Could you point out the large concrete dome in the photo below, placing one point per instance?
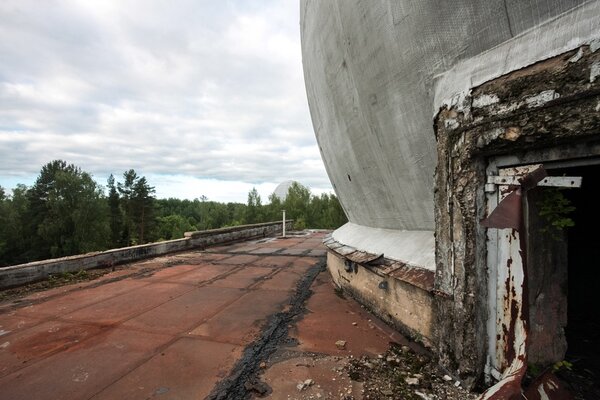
(281, 190)
(376, 73)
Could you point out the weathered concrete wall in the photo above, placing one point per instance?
(547, 111)
(376, 72)
(403, 305)
(39, 270)
(370, 70)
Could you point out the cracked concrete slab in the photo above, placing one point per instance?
(180, 326)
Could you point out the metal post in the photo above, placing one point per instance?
(283, 223)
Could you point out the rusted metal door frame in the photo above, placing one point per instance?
(503, 247)
(507, 331)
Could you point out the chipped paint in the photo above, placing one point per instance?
(451, 123)
(485, 100)
(547, 387)
(577, 56)
(541, 98)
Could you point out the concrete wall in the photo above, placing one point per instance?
(39, 270)
(401, 304)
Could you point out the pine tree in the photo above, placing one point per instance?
(116, 215)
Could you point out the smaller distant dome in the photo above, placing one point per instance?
(281, 190)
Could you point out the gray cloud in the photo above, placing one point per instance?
(211, 90)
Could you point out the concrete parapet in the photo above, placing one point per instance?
(22, 274)
(404, 305)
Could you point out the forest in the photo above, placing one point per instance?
(66, 212)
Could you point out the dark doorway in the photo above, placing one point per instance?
(583, 315)
(563, 266)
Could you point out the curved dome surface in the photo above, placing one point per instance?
(373, 76)
(281, 190)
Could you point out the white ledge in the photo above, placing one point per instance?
(416, 248)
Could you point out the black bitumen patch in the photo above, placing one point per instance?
(243, 377)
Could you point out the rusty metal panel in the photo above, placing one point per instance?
(388, 266)
(361, 257)
(419, 277)
(344, 250)
(508, 214)
(547, 387)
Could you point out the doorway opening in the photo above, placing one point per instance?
(563, 266)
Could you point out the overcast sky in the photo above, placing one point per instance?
(201, 97)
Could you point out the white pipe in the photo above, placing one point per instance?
(283, 223)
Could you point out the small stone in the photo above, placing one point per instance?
(447, 378)
(405, 349)
(303, 385)
(457, 384)
(355, 323)
(263, 365)
(418, 376)
(340, 344)
(423, 396)
(386, 392)
(411, 381)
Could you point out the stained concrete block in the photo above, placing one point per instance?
(401, 304)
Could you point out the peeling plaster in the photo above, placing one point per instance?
(485, 100)
(541, 98)
(594, 71)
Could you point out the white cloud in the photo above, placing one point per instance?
(201, 90)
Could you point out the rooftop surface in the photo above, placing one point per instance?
(252, 317)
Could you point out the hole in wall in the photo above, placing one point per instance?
(564, 280)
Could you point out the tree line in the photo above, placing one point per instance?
(66, 212)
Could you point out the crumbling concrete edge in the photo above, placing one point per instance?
(18, 275)
(235, 387)
(410, 273)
